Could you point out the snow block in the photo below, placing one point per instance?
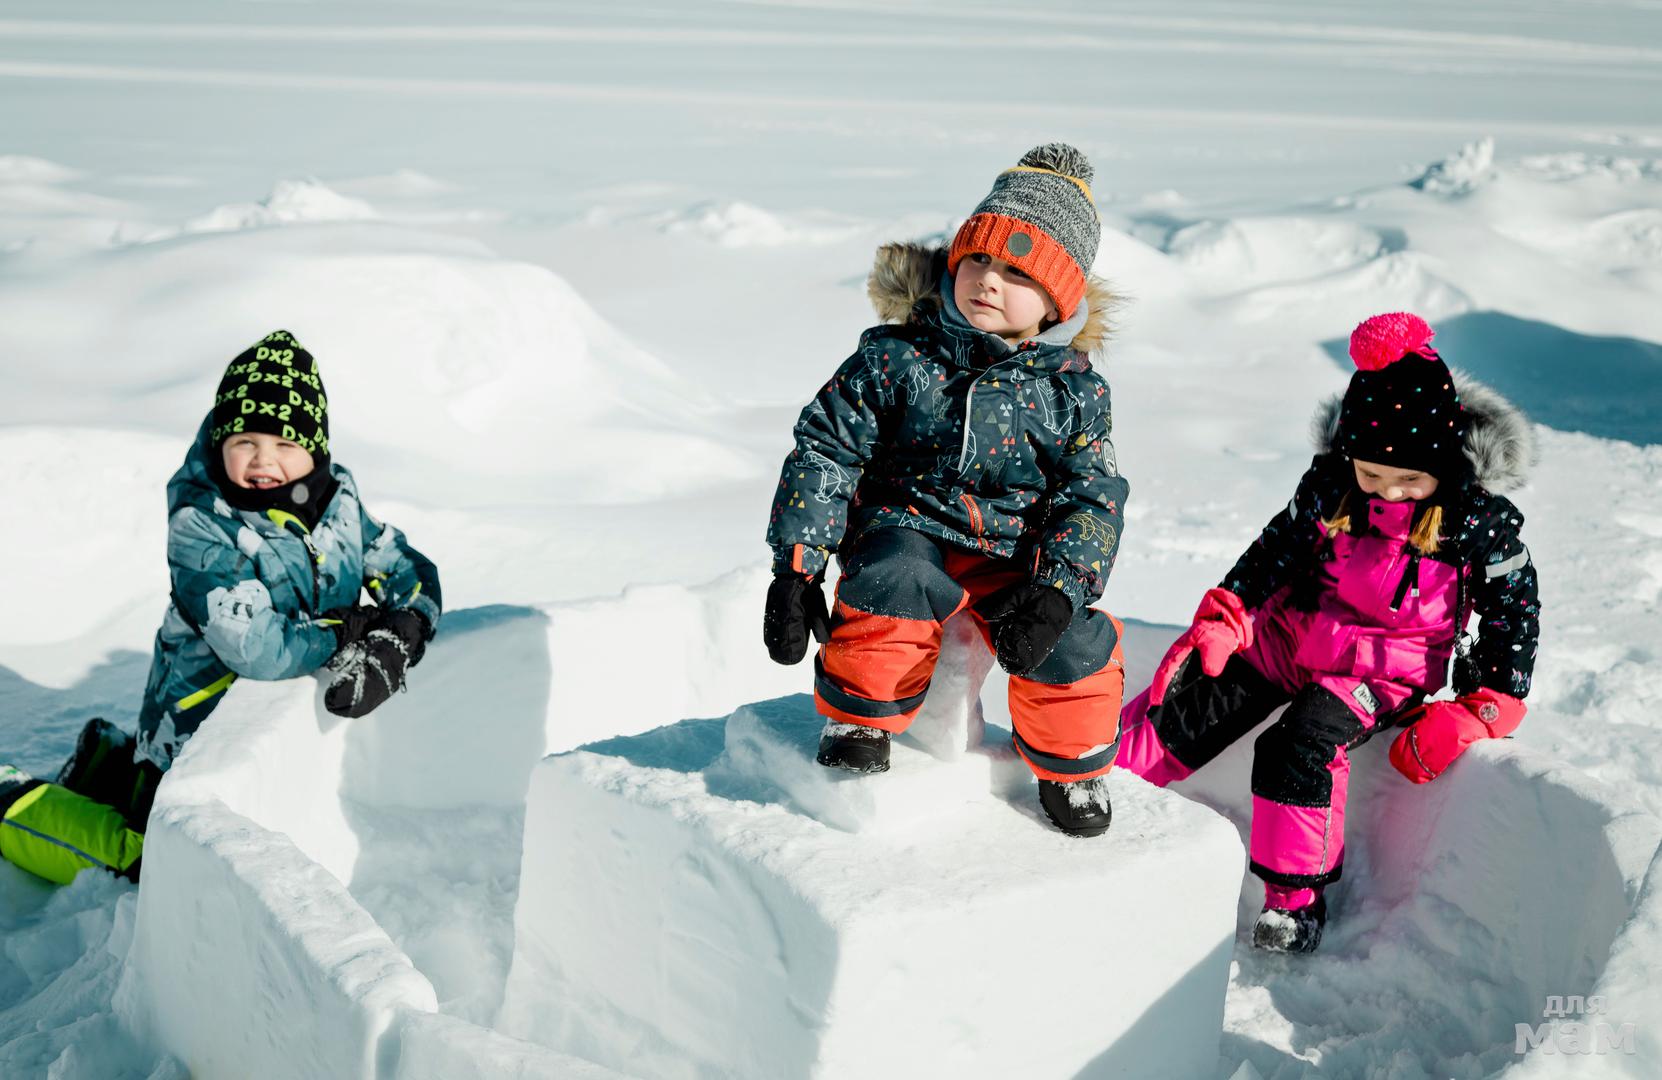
(272, 826)
(251, 960)
(770, 747)
(704, 900)
(437, 1047)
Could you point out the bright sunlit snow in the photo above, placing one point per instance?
(569, 272)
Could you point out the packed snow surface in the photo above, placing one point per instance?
(570, 272)
(755, 915)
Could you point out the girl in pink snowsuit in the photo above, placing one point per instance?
(1348, 609)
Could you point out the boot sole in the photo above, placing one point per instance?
(852, 766)
(1075, 830)
(1271, 947)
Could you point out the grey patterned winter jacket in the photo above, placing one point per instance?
(936, 426)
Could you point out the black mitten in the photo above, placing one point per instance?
(410, 626)
(1028, 619)
(795, 608)
(367, 674)
(352, 623)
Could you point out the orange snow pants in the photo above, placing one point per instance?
(897, 589)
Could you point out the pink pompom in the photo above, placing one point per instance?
(1385, 339)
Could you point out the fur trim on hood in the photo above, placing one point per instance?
(904, 275)
(1500, 440)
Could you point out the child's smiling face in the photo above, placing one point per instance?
(998, 298)
(259, 461)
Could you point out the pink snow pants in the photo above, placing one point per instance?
(1301, 763)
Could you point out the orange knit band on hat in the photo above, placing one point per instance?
(1027, 248)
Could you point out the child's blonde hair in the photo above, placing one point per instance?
(1426, 535)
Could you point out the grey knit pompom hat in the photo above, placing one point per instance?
(1041, 219)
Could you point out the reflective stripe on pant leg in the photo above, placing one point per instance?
(55, 833)
(875, 670)
(885, 631)
(1300, 781)
(1069, 731)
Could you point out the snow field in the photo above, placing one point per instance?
(157, 208)
(499, 363)
(1630, 979)
(63, 951)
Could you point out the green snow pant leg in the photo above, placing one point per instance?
(53, 832)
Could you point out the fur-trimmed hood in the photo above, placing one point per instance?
(906, 275)
(1500, 440)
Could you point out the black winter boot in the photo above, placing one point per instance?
(1079, 807)
(101, 768)
(1296, 931)
(854, 747)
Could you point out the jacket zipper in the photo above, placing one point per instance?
(969, 402)
(1410, 582)
(975, 519)
(316, 557)
(963, 459)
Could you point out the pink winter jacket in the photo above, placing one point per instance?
(1384, 611)
(1368, 605)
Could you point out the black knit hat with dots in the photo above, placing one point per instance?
(273, 387)
(1401, 408)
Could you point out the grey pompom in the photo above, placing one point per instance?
(1062, 158)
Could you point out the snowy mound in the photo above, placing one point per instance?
(448, 369)
(1230, 255)
(1465, 905)
(743, 225)
(40, 204)
(291, 202)
(22, 169)
(1460, 173)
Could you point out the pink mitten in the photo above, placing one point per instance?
(1446, 728)
(1221, 628)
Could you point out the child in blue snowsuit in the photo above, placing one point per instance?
(269, 551)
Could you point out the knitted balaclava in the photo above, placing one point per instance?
(1041, 219)
(273, 387)
(1401, 408)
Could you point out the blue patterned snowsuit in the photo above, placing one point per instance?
(248, 589)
